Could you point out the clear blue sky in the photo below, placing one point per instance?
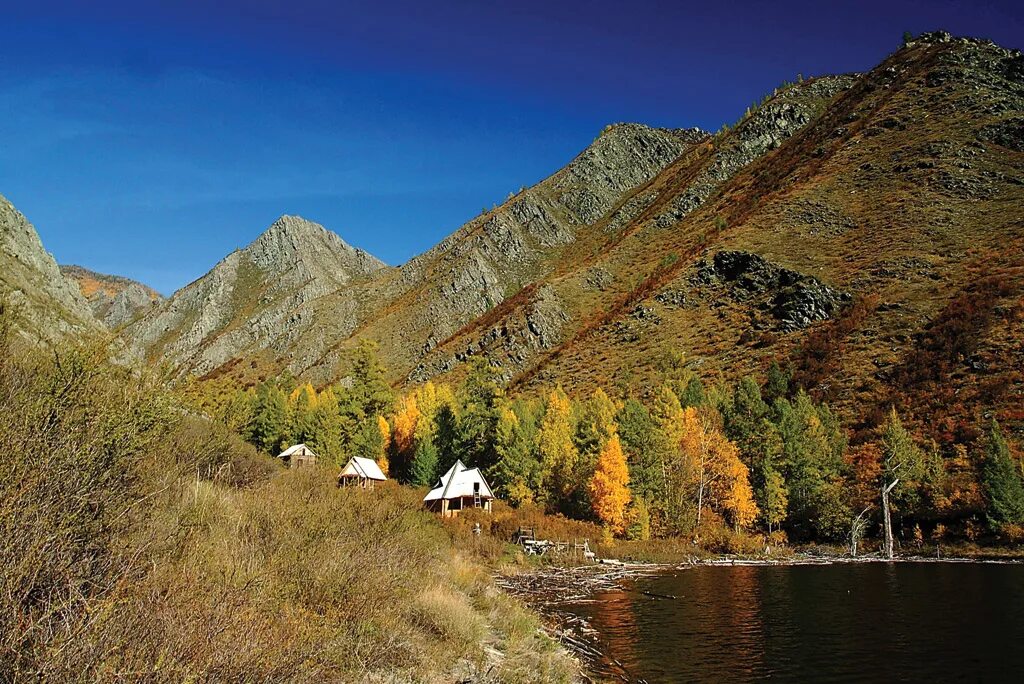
(149, 139)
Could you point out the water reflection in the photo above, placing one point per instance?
(876, 622)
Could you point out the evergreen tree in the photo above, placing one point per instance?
(326, 438)
(1003, 484)
(423, 468)
(302, 404)
(270, 415)
(903, 466)
(744, 416)
(516, 475)
(479, 417)
(811, 460)
(776, 384)
(692, 392)
(446, 437)
(637, 430)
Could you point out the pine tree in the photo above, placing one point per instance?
(327, 439)
(744, 414)
(270, 415)
(302, 404)
(423, 469)
(516, 475)
(902, 464)
(479, 416)
(1004, 486)
(776, 384)
(637, 430)
(609, 486)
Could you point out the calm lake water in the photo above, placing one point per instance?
(872, 622)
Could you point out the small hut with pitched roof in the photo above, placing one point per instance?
(458, 489)
(298, 456)
(361, 472)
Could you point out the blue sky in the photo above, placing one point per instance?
(150, 139)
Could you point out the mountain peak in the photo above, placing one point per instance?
(293, 239)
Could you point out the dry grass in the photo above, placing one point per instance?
(139, 543)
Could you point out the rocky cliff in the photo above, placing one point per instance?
(114, 300)
(257, 299)
(48, 307)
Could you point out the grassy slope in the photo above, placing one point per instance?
(889, 192)
(142, 543)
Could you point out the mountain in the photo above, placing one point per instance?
(256, 301)
(866, 229)
(48, 307)
(861, 228)
(299, 296)
(114, 300)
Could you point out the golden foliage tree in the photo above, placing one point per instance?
(385, 435)
(711, 463)
(557, 451)
(609, 487)
(404, 424)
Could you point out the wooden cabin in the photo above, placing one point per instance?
(298, 456)
(457, 490)
(360, 472)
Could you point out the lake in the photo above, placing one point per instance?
(824, 623)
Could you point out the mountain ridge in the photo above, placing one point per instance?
(49, 307)
(115, 300)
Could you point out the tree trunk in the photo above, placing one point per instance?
(887, 547)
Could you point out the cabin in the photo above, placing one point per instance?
(361, 472)
(458, 489)
(298, 456)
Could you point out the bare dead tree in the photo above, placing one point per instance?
(857, 528)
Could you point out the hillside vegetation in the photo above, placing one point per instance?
(142, 543)
(838, 228)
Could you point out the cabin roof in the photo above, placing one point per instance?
(458, 482)
(297, 450)
(358, 466)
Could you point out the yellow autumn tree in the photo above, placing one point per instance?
(404, 428)
(609, 487)
(558, 453)
(711, 469)
(385, 435)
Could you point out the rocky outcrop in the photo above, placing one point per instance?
(762, 131)
(48, 307)
(536, 326)
(114, 300)
(794, 299)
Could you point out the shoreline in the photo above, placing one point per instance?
(547, 589)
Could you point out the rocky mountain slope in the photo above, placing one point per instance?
(47, 306)
(257, 300)
(839, 226)
(114, 300)
(299, 296)
(869, 230)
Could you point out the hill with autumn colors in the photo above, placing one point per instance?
(865, 229)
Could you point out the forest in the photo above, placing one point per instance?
(689, 458)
